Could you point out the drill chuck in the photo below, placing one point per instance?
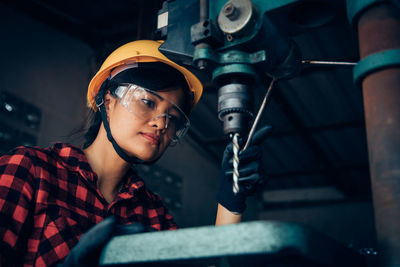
(235, 105)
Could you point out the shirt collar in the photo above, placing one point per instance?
(71, 157)
(74, 159)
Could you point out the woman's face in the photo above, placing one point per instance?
(143, 139)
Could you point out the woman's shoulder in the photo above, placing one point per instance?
(20, 154)
(155, 198)
(38, 155)
(18, 162)
(137, 183)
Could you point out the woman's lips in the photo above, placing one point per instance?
(154, 139)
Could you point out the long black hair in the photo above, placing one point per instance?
(156, 76)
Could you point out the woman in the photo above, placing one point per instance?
(50, 197)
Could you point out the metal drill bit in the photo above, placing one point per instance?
(235, 141)
(334, 63)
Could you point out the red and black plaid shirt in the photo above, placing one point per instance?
(49, 198)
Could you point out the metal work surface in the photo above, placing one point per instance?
(244, 244)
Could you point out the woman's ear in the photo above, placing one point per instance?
(109, 103)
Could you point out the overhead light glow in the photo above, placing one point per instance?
(8, 107)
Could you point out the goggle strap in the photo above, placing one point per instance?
(117, 148)
(104, 119)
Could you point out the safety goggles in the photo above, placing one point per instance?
(146, 105)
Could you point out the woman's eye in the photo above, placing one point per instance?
(149, 103)
(174, 118)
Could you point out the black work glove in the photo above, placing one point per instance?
(249, 172)
(87, 251)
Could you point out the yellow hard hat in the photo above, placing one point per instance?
(136, 52)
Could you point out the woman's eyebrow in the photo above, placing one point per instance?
(174, 107)
(176, 110)
(158, 96)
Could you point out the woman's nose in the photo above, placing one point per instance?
(161, 121)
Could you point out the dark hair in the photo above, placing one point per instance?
(156, 76)
(94, 119)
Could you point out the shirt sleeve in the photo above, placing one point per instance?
(16, 192)
(170, 223)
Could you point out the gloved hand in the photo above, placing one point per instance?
(249, 172)
(86, 252)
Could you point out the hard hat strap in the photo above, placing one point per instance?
(100, 105)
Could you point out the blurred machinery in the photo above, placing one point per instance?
(19, 122)
(238, 45)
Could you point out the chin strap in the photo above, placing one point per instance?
(100, 105)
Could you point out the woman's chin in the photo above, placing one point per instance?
(147, 157)
(147, 153)
(150, 157)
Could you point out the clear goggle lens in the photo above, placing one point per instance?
(146, 105)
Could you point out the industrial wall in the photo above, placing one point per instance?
(349, 223)
(47, 69)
